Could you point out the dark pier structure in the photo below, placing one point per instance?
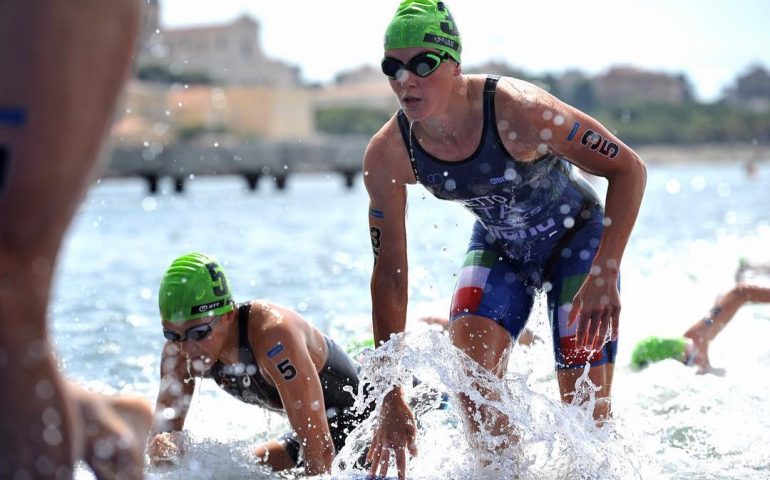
(250, 160)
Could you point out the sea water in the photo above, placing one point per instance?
(308, 248)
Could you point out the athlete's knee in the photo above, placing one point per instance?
(483, 340)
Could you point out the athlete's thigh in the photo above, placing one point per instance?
(492, 287)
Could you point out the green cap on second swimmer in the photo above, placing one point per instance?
(424, 23)
(194, 286)
(655, 349)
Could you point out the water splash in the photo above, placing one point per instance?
(555, 441)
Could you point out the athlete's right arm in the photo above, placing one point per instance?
(177, 386)
(387, 170)
(385, 178)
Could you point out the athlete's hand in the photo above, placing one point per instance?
(395, 432)
(596, 309)
(165, 448)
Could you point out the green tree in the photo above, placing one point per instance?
(350, 120)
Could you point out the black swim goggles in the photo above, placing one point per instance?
(421, 65)
(196, 333)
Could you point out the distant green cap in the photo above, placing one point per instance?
(194, 286)
(358, 345)
(655, 349)
(424, 23)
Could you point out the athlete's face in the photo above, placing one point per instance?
(420, 96)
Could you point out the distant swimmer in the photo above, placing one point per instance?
(752, 169)
(693, 347)
(258, 352)
(63, 68)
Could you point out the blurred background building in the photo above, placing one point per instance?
(214, 85)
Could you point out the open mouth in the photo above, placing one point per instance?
(410, 101)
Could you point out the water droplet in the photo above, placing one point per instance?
(698, 183)
(45, 466)
(723, 190)
(44, 390)
(673, 186)
(149, 204)
(52, 436)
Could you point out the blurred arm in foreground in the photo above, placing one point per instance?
(64, 65)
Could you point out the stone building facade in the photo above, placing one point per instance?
(229, 54)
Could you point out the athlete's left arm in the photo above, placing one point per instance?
(585, 142)
(283, 353)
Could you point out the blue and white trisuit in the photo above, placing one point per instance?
(538, 226)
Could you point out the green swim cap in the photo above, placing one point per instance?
(194, 286)
(655, 349)
(358, 345)
(424, 23)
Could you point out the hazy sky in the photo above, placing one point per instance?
(711, 41)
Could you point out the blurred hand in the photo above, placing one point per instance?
(165, 449)
(395, 433)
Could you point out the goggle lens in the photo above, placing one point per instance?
(196, 333)
(421, 65)
(173, 336)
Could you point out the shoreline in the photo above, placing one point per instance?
(710, 153)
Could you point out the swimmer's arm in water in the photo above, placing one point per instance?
(177, 385)
(282, 352)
